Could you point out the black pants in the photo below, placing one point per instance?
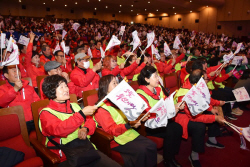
(105, 161)
(225, 94)
(30, 126)
(172, 135)
(141, 152)
(197, 131)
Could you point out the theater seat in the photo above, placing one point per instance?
(158, 141)
(171, 82)
(14, 135)
(100, 138)
(38, 81)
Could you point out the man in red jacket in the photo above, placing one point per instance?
(195, 126)
(65, 65)
(18, 92)
(82, 76)
(46, 55)
(97, 52)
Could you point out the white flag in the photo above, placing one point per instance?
(3, 37)
(150, 39)
(161, 119)
(237, 60)
(169, 101)
(113, 42)
(58, 27)
(234, 44)
(195, 102)
(76, 26)
(90, 53)
(63, 34)
(56, 48)
(203, 90)
(63, 47)
(207, 41)
(155, 52)
(167, 50)
(13, 59)
(102, 53)
(67, 48)
(128, 101)
(192, 38)
(122, 30)
(241, 94)
(238, 48)
(229, 57)
(10, 44)
(177, 42)
(136, 40)
(23, 40)
(225, 39)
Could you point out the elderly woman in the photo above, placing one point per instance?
(136, 150)
(65, 121)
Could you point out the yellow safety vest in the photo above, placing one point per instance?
(150, 99)
(119, 118)
(63, 117)
(210, 84)
(177, 66)
(220, 84)
(91, 65)
(180, 92)
(120, 60)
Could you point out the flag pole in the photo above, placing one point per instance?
(230, 101)
(1, 49)
(17, 72)
(144, 116)
(234, 67)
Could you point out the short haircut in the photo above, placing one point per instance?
(44, 47)
(56, 53)
(197, 65)
(50, 84)
(21, 47)
(195, 76)
(146, 72)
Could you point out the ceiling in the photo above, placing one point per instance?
(131, 7)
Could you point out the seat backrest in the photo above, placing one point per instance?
(134, 85)
(170, 81)
(28, 79)
(73, 98)
(12, 123)
(38, 81)
(35, 107)
(90, 97)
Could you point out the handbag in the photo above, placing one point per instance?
(78, 152)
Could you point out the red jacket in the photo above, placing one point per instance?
(71, 87)
(183, 74)
(32, 70)
(24, 97)
(96, 53)
(84, 82)
(44, 59)
(117, 70)
(136, 71)
(52, 126)
(107, 123)
(164, 68)
(178, 59)
(184, 116)
(68, 67)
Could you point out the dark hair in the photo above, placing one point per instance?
(104, 86)
(34, 53)
(195, 76)
(142, 58)
(189, 66)
(56, 53)
(21, 47)
(5, 69)
(197, 65)
(44, 47)
(245, 74)
(129, 59)
(50, 84)
(146, 72)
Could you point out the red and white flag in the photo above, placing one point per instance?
(113, 42)
(63, 34)
(58, 26)
(90, 53)
(238, 48)
(136, 40)
(167, 50)
(177, 42)
(13, 59)
(75, 26)
(56, 48)
(150, 39)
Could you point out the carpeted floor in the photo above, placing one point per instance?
(230, 156)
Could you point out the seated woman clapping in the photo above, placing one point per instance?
(66, 121)
(135, 149)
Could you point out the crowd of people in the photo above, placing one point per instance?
(83, 68)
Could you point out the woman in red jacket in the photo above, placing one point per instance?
(32, 62)
(136, 150)
(150, 91)
(66, 121)
(195, 126)
(111, 67)
(130, 61)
